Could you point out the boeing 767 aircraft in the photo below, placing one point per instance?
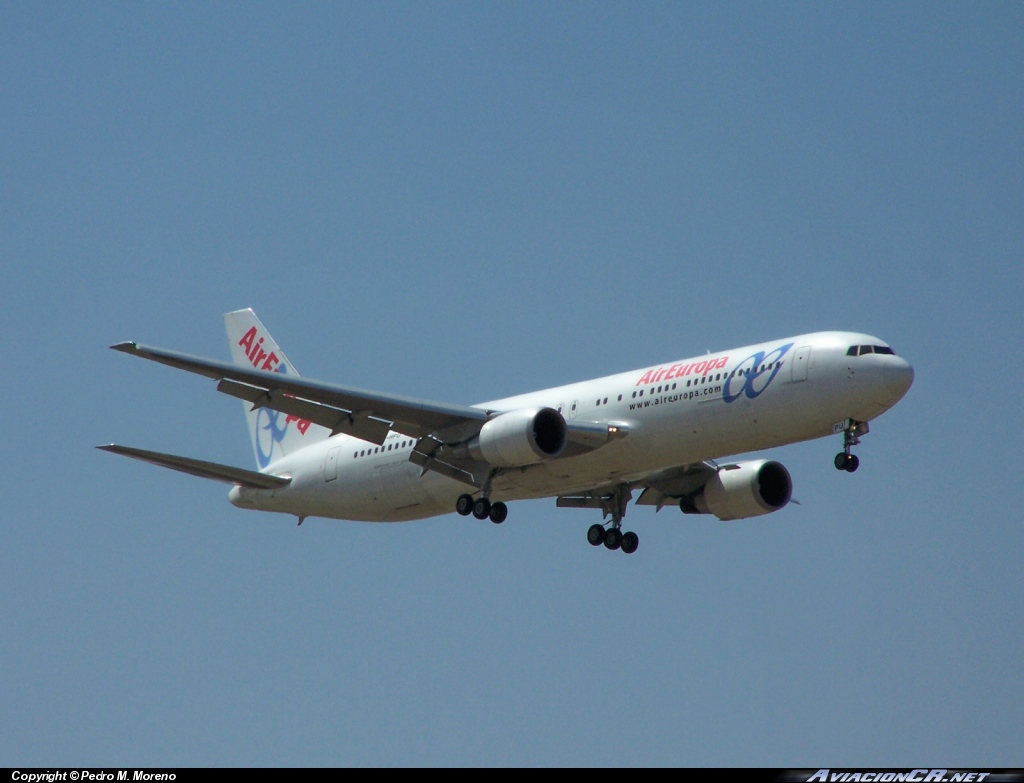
(665, 432)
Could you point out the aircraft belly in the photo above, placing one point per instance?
(556, 477)
(398, 485)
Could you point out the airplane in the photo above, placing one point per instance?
(665, 432)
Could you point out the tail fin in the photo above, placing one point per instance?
(274, 435)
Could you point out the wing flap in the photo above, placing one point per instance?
(570, 501)
(201, 468)
(670, 485)
(337, 420)
(427, 462)
(409, 416)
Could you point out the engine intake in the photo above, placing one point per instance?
(521, 437)
(746, 489)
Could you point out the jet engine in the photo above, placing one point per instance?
(744, 489)
(520, 437)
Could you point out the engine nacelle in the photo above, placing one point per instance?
(745, 489)
(520, 437)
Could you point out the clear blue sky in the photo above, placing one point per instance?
(465, 201)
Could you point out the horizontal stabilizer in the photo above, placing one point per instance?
(196, 467)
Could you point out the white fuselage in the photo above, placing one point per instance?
(707, 407)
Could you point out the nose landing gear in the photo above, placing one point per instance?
(851, 437)
(847, 462)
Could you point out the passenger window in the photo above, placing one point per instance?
(605, 402)
(634, 394)
(620, 398)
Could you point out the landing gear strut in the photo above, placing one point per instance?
(851, 437)
(482, 508)
(613, 538)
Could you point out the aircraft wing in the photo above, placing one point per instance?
(665, 487)
(197, 467)
(365, 414)
(668, 487)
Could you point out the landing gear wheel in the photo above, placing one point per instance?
(498, 512)
(464, 505)
(613, 538)
(851, 437)
(595, 535)
(482, 508)
(630, 541)
(847, 462)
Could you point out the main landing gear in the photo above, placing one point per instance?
(482, 508)
(851, 437)
(613, 538)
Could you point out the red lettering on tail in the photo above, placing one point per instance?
(300, 424)
(246, 341)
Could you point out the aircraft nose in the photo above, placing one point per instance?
(899, 375)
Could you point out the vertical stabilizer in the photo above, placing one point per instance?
(274, 434)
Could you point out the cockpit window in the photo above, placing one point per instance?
(863, 350)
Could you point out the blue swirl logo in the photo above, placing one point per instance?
(752, 375)
(268, 421)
